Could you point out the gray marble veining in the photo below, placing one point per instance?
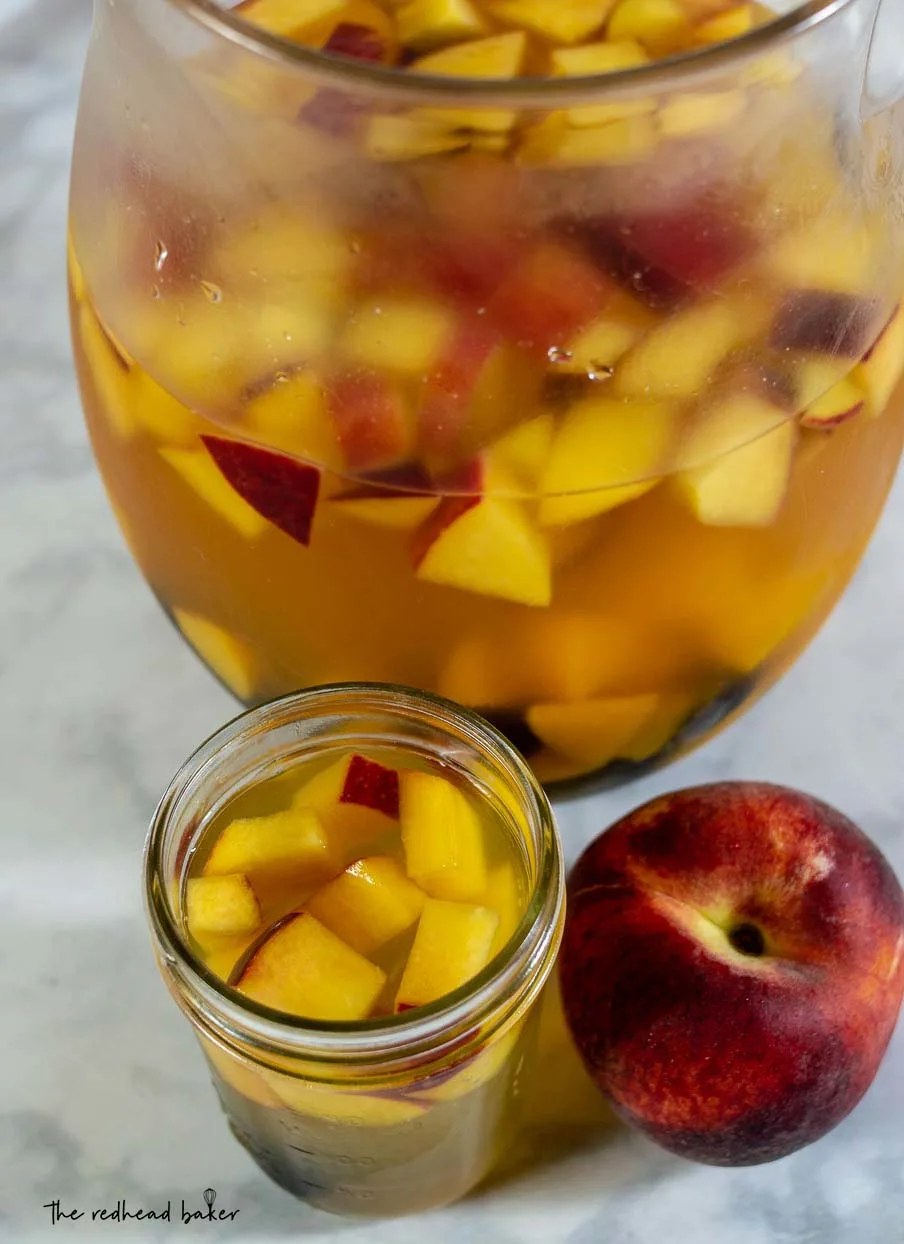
(103, 1095)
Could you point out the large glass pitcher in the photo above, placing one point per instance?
(572, 398)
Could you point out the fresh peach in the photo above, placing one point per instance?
(732, 968)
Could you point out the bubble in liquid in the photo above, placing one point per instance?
(556, 354)
(212, 292)
(161, 254)
(600, 371)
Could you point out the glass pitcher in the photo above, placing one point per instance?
(571, 398)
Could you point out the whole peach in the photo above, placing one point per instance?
(732, 968)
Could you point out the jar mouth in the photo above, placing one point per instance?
(515, 974)
(528, 92)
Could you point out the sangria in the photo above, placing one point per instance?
(356, 896)
(543, 356)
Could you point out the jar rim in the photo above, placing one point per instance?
(529, 92)
(507, 984)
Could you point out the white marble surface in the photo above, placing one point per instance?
(103, 1094)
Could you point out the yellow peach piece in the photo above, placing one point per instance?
(289, 18)
(606, 452)
(403, 335)
(599, 346)
(731, 24)
(399, 137)
(442, 837)
(521, 453)
(827, 398)
(369, 904)
(625, 140)
(452, 944)
(291, 414)
(498, 56)
(679, 357)
(491, 548)
(833, 252)
(426, 25)
(395, 513)
(880, 372)
(743, 486)
(592, 732)
(283, 849)
(159, 413)
(224, 906)
(607, 56)
(559, 23)
(304, 969)
(347, 1106)
(352, 827)
(230, 658)
(280, 247)
(660, 25)
(700, 112)
(204, 478)
(109, 373)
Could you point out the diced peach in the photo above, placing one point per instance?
(834, 253)
(608, 56)
(289, 18)
(827, 398)
(679, 358)
(396, 136)
(364, 42)
(745, 447)
(700, 112)
(283, 850)
(224, 905)
(158, 413)
(552, 293)
(404, 335)
(658, 729)
(369, 904)
(504, 897)
(280, 489)
(371, 419)
(498, 56)
(881, 368)
(445, 412)
(487, 545)
(826, 322)
(606, 452)
(399, 498)
(291, 414)
(425, 25)
(286, 250)
(731, 24)
(304, 969)
(230, 658)
(442, 837)
(356, 799)
(523, 452)
(660, 25)
(202, 476)
(592, 732)
(623, 139)
(454, 942)
(559, 23)
(598, 347)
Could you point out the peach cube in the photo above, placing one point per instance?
(442, 837)
(356, 799)
(304, 969)
(454, 942)
(223, 906)
(229, 657)
(277, 850)
(369, 904)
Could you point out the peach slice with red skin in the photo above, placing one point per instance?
(449, 385)
(304, 969)
(369, 904)
(370, 417)
(442, 837)
(828, 399)
(825, 321)
(399, 498)
(550, 295)
(282, 490)
(357, 799)
(453, 942)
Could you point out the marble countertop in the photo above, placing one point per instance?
(103, 1094)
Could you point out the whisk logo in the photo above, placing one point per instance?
(209, 1213)
(123, 1212)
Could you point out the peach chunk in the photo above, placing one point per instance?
(202, 476)
(304, 969)
(827, 398)
(281, 489)
(881, 367)
(551, 294)
(454, 942)
(660, 25)
(486, 545)
(356, 799)
(442, 837)
(606, 453)
(425, 25)
(504, 897)
(522, 453)
(745, 446)
(229, 657)
(289, 18)
(282, 850)
(369, 904)
(559, 23)
(223, 906)
(291, 414)
(370, 417)
(592, 732)
(406, 335)
(498, 56)
(399, 498)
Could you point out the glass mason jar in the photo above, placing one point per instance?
(573, 399)
(394, 1114)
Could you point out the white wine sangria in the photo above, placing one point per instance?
(546, 357)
